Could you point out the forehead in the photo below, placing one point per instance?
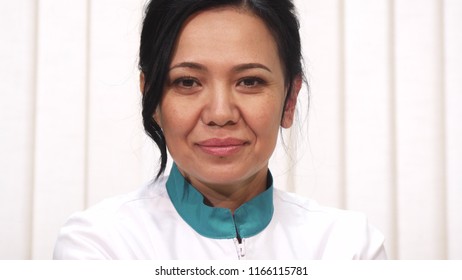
(227, 34)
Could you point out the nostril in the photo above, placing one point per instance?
(228, 123)
(220, 111)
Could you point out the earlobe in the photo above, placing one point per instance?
(291, 103)
(157, 117)
(142, 82)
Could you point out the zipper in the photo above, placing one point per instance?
(240, 247)
(239, 242)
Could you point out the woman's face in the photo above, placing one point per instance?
(223, 99)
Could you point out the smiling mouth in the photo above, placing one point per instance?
(222, 147)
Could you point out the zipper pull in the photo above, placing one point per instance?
(240, 248)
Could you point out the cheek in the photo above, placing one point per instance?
(175, 120)
(265, 118)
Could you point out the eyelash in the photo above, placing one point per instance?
(180, 80)
(255, 81)
(258, 81)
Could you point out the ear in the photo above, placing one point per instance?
(142, 82)
(156, 115)
(289, 109)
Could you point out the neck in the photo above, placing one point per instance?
(231, 196)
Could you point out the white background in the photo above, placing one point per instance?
(383, 134)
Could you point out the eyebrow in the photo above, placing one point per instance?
(247, 66)
(238, 68)
(191, 65)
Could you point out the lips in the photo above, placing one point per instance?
(222, 146)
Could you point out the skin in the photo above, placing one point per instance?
(223, 104)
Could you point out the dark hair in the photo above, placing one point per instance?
(162, 23)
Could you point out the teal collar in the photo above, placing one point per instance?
(219, 223)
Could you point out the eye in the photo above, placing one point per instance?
(251, 82)
(186, 82)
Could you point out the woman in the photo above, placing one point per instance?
(219, 79)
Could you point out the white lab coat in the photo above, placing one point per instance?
(146, 225)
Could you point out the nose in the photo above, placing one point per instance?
(220, 108)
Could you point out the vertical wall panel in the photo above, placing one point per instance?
(115, 146)
(60, 119)
(17, 21)
(318, 173)
(420, 158)
(367, 90)
(453, 85)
